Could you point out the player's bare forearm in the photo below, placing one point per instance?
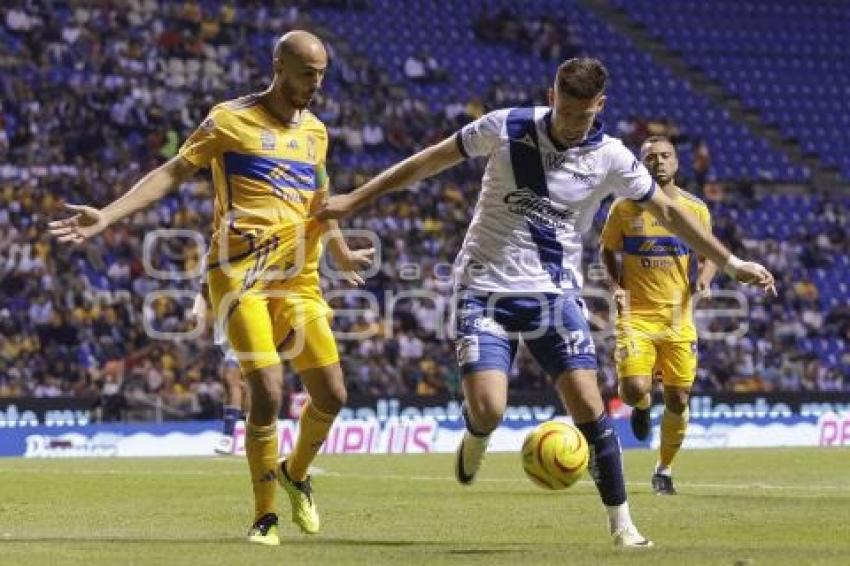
(609, 260)
(336, 244)
(678, 220)
(427, 163)
(351, 263)
(88, 221)
(708, 269)
(150, 188)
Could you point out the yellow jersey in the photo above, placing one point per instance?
(266, 176)
(659, 270)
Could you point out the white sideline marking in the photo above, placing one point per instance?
(400, 477)
(759, 485)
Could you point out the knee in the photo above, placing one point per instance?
(233, 379)
(266, 395)
(485, 412)
(632, 390)
(677, 401)
(264, 409)
(333, 400)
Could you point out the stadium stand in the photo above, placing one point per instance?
(94, 96)
(785, 59)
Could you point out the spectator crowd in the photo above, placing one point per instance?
(94, 94)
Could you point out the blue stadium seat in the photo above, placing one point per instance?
(640, 85)
(744, 45)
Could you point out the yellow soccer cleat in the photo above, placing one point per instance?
(264, 531)
(304, 512)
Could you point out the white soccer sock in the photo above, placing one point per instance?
(663, 470)
(475, 440)
(618, 516)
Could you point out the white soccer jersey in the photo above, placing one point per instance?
(536, 199)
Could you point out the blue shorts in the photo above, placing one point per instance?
(489, 327)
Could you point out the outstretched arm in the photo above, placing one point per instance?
(89, 221)
(422, 165)
(349, 261)
(678, 220)
(609, 260)
(707, 271)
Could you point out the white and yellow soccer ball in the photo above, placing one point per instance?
(555, 455)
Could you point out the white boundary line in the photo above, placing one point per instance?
(757, 485)
(417, 478)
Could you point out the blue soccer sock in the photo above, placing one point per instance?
(605, 466)
(231, 415)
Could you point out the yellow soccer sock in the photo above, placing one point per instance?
(313, 427)
(261, 447)
(673, 428)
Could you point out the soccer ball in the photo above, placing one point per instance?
(555, 455)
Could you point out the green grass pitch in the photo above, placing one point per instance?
(736, 507)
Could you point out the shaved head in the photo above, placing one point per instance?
(300, 62)
(301, 45)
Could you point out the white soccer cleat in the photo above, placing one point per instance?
(629, 537)
(224, 446)
(469, 456)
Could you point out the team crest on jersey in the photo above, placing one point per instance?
(586, 162)
(527, 140)
(293, 144)
(267, 140)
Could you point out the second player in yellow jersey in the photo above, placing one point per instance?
(654, 286)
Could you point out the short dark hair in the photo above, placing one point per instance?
(657, 139)
(653, 139)
(581, 77)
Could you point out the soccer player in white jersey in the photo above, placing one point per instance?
(518, 273)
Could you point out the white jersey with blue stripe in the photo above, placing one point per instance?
(536, 200)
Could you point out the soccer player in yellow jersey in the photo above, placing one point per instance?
(653, 287)
(267, 155)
